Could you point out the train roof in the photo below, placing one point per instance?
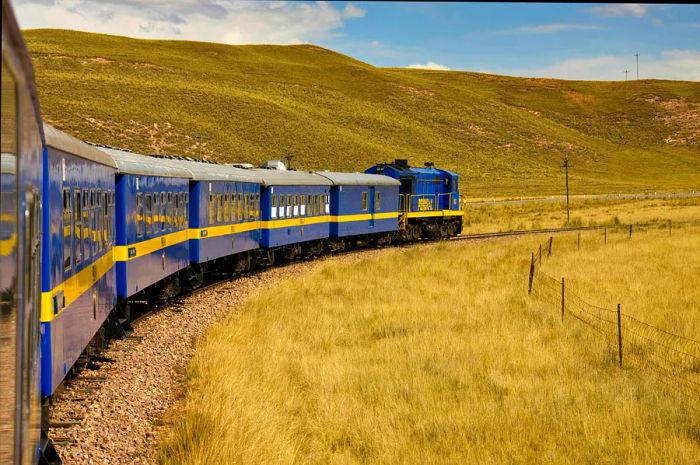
(200, 171)
(69, 144)
(358, 179)
(134, 163)
(271, 177)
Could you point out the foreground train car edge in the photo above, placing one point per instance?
(20, 230)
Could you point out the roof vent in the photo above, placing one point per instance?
(403, 163)
(429, 164)
(245, 166)
(276, 165)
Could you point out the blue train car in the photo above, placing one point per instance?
(363, 206)
(78, 286)
(429, 199)
(21, 144)
(224, 214)
(151, 244)
(295, 210)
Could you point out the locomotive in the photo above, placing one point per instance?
(85, 230)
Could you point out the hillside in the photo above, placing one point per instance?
(251, 103)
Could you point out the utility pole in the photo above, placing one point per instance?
(637, 56)
(626, 71)
(566, 167)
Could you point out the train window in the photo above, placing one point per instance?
(110, 214)
(67, 216)
(251, 206)
(364, 201)
(160, 209)
(328, 203)
(219, 208)
(227, 208)
(86, 223)
(273, 206)
(156, 213)
(105, 218)
(98, 220)
(289, 205)
(211, 208)
(139, 215)
(149, 214)
(166, 211)
(257, 206)
(245, 207)
(177, 218)
(377, 201)
(78, 228)
(239, 207)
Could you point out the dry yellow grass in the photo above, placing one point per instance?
(535, 215)
(436, 355)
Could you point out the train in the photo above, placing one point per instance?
(86, 230)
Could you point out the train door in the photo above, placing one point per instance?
(406, 192)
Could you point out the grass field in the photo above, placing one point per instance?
(536, 215)
(504, 135)
(435, 354)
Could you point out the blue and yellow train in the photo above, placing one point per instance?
(85, 230)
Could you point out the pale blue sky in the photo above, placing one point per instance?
(571, 41)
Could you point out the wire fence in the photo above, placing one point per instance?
(671, 358)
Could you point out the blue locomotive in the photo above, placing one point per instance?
(86, 230)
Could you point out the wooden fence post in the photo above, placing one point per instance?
(630, 232)
(619, 334)
(532, 273)
(605, 235)
(540, 259)
(550, 246)
(579, 240)
(669, 227)
(562, 299)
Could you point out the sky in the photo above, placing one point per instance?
(567, 41)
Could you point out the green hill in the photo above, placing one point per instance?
(251, 103)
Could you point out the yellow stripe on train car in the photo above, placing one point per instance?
(123, 253)
(73, 287)
(8, 245)
(434, 213)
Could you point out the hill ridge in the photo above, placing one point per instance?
(330, 111)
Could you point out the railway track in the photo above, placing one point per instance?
(523, 232)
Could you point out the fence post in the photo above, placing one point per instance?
(579, 240)
(532, 273)
(619, 334)
(550, 246)
(630, 232)
(605, 235)
(562, 299)
(669, 227)
(540, 255)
